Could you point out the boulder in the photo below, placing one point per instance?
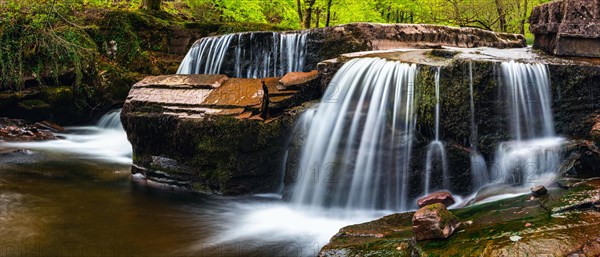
(538, 190)
(434, 222)
(567, 27)
(442, 197)
(582, 160)
(204, 132)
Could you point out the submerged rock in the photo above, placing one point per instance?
(442, 197)
(434, 222)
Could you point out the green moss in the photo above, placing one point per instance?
(33, 104)
(59, 95)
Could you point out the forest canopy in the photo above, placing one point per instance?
(498, 15)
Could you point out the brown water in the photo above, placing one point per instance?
(60, 205)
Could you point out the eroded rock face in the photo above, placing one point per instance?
(204, 132)
(434, 222)
(567, 27)
(443, 197)
(582, 160)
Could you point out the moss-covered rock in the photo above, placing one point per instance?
(512, 227)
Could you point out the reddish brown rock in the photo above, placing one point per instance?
(442, 197)
(596, 127)
(20, 130)
(434, 222)
(297, 78)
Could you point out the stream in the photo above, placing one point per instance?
(75, 197)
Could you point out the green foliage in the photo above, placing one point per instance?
(36, 42)
(42, 39)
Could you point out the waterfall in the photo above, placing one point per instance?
(479, 171)
(357, 150)
(436, 148)
(206, 56)
(111, 120)
(535, 149)
(106, 141)
(247, 55)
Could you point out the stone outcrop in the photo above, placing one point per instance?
(204, 132)
(566, 223)
(434, 222)
(567, 27)
(443, 197)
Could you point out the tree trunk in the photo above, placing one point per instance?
(328, 13)
(152, 4)
(524, 17)
(300, 16)
(308, 12)
(317, 17)
(501, 16)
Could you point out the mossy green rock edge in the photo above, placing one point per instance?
(561, 223)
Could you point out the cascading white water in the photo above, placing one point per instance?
(106, 141)
(206, 56)
(255, 55)
(356, 154)
(479, 171)
(436, 148)
(535, 150)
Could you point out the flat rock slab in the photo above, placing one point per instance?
(297, 78)
(196, 96)
(236, 93)
(206, 81)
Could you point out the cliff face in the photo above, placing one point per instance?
(567, 27)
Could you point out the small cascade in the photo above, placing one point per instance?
(479, 171)
(111, 120)
(436, 148)
(247, 55)
(357, 150)
(105, 141)
(206, 56)
(535, 149)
